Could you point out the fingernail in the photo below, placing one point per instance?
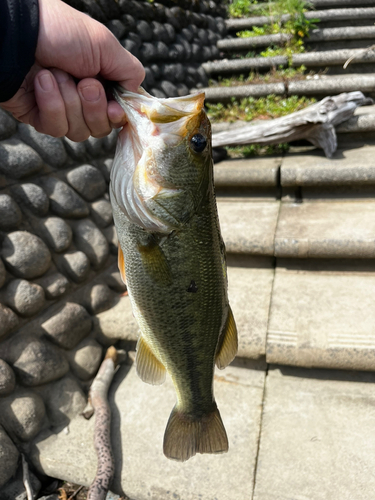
(90, 93)
(46, 82)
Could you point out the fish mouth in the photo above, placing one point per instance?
(171, 119)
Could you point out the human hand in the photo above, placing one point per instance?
(73, 44)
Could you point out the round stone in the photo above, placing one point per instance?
(8, 320)
(68, 326)
(161, 50)
(7, 379)
(169, 88)
(105, 167)
(101, 212)
(144, 30)
(8, 125)
(63, 399)
(11, 215)
(159, 33)
(117, 28)
(8, 457)
(75, 264)
(170, 31)
(85, 359)
(3, 273)
(182, 89)
(148, 53)
(54, 285)
(135, 38)
(32, 197)
(110, 234)
(109, 143)
(116, 323)
(35, 360)
(131, 46)
(64, 201)
(149, 77)
(186, 33)
(25, 254)
(22, 414)
(88, 181)
(56, 233)
(114, 281)
(50, 148)
(76, 150)
(17, 160)
(156, 70)
(98, 298)
(129, 22)
(24, 297)
(90, 240)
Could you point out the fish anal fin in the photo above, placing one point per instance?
(228, 343)
(186, 436)
(149, 368)
(121, 264)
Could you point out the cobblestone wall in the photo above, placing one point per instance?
(62, 300)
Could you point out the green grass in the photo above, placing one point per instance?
(275, 75)
(250, 108)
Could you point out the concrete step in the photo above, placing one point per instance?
(348, 167)
(140, 414)
(318, 4)
(320, 36)
(322, 314)
(248, 226)
(329, 15)
(320, 87)
(316, 60)
(315, 436)
(326, 229)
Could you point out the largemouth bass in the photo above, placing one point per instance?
(172, 257)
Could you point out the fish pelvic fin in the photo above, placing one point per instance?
(121, 264)
(185, 435)
(228, 343)
(149, 368)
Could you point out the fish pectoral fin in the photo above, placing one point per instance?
(155, 263)
(228, 343)
(185, 435)
(149, 368)
(121, 264)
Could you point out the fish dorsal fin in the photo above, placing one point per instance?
(229, 343)
(149, 368)
(121, 264)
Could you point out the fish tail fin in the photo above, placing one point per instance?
(185, 436)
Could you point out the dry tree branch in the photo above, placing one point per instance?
(26, 479)
(102, 437)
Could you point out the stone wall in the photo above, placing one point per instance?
(62, 300)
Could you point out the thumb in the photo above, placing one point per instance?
(117, 64)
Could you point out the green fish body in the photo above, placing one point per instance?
(173, 257)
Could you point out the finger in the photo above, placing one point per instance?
(49, 115)
(116, 114)
(77, 129)
(117, 64)
(94, 106)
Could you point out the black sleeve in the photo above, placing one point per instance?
(19, 25)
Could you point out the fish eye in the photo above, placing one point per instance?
(198, 143)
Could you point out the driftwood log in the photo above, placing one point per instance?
(316, 123)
